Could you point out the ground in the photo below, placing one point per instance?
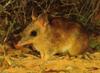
(18, 62)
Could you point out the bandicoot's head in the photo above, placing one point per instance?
(34, 30)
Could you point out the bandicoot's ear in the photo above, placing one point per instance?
(34, 15)
(42, 20)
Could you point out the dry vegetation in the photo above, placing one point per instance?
(15, 15)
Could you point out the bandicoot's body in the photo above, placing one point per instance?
(59, 35)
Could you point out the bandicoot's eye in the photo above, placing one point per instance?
(33, 33)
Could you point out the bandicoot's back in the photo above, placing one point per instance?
(59, 35)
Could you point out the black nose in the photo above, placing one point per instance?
(33, 33)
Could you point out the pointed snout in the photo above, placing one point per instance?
(23, 43)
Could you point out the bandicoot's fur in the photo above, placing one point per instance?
(59, 35)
